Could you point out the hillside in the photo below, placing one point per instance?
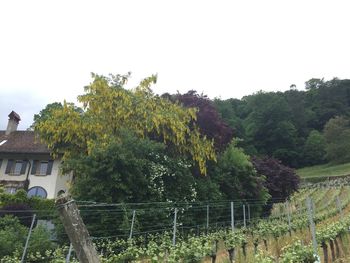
(325, 170)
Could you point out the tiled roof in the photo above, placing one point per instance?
(21, 142)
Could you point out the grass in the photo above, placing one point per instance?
(324, 170)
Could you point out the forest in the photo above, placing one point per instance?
(299, 127)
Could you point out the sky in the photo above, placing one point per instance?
(224, 49)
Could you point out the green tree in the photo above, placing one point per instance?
(337, 136)
(237, 178)
(269, 128)
(314, 149)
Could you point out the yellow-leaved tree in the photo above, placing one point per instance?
(109, 107)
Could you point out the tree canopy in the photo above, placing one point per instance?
(108, 106)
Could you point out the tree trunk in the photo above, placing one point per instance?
(325, 252)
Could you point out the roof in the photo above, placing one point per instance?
(21, 142)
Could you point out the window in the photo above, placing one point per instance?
(37, 191)
(42, 167)
(16, 167)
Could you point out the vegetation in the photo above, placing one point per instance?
(108, 107)
(289, 125)
(132, 146)
(270, 239)
(324, 170)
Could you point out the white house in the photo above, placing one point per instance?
(26, 163)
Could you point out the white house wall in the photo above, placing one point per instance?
(52, 183)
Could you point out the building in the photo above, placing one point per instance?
(26, 163)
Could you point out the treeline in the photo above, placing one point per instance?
(300, 128)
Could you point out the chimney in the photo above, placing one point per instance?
(13, 122)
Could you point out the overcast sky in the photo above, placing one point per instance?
(224, 49)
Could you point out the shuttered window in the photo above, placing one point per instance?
(16, 167)
(42, 167)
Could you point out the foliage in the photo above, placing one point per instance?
(12, 235)
(208, 120)
(236, 176)
(281, 181)
(20, 201)
(40, 241)
(108, 106)
(130, 170)
(133, 170)
(45, 113)
(268, 126)
(337, 136)
(298, 253)
(278, 124)
(315, 148)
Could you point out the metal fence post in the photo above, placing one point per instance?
(69, 253)
(288, 215)
(244, 223)
(174, 231)
(207, 217)
(28, 237)
(232, 217)
(312, 224)
(248, 206)
(339, 207)
(132, 223)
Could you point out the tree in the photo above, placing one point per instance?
(281, 181)
(314, 149)
(209, 121)
(237, 178)
(108, 107)
(269, 128)
(130, 170)
(230, 110)
(45, 113)
(337, 136)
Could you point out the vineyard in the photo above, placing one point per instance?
(312, 226)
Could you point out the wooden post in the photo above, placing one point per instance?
(76, 230)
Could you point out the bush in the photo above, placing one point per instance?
(12, 235)
(281, 181)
